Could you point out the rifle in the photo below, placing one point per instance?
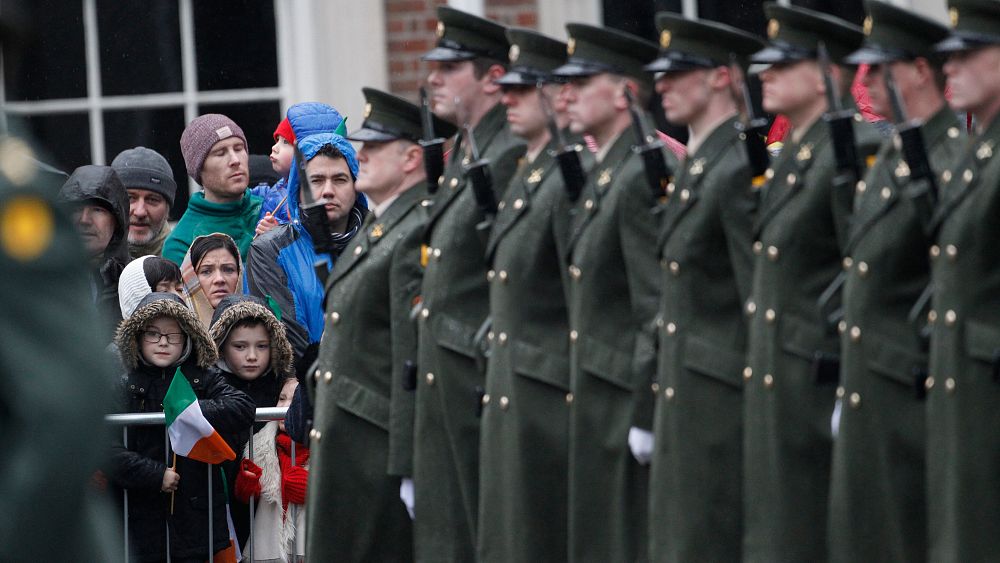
(650, 148)
(914, 154)
(753, 131)
(314, 218)
(840, 121)
(433, 146)
(566, 157)
(478, 173)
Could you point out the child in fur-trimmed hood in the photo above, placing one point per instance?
(160, 336)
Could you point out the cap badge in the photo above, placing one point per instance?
(953, 15)
(665, 38)
(27, 226)
(514, 53)
(570, 46)
(772, 28)
(867, 26)
(368, 110)
(535, 176)
(440, 29)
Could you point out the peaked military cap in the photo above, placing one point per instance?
(593, 50)
(895, 34)
(974, 24)
(389, 117)
(463, 37)
(688, 43)
(533, 57)
(794, 34)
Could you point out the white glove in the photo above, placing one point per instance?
(406, 494)
(641, 443)
(835, 419)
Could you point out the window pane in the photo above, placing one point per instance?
(52, 60)
(236, 44)
(140, 46)
(158, 129)
(257, 120)
(67, 150)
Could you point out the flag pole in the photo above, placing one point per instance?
(173, 492)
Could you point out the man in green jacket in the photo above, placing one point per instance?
(216, 156)
(799, 236)
(522, 502)
(471, 54)
(695, 508)
(355, 513)
(612, 298)
(877, 502)
(963, 397)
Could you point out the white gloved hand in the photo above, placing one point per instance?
(641, 443)
(835, 419)
(406, 494)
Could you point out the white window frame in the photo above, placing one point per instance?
(190, 98)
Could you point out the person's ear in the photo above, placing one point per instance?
(413, 158)
(492, 74)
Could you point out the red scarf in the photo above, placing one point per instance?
(295, 480)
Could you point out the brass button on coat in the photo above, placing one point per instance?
(855, 401)
(504, 403)
(430, 378)
(768, 381)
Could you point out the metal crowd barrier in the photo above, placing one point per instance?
(157, 418)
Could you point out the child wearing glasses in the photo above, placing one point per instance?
(167, 492)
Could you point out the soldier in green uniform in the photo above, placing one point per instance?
(522, 502)
(704, 244)
(613, 293)
(56, 379)
(471, 54)
(877, 501)
(963, 387)
(799, 232)
(355, 513)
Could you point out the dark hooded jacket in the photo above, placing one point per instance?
(139, 464)
(102, 185)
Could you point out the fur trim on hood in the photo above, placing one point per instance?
(235, 308)
(165, 305)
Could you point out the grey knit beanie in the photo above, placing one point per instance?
(199, 137)
(146, 169)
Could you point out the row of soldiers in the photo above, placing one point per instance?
(554, 353)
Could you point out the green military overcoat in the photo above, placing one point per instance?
(877, 501)
(525, 424)
(613, 296)
(695, 504)
(800, 229)
(963, 388)
(450, 362)
(354, 509)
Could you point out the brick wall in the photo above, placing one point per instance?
(410, 32)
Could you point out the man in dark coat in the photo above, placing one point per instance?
(877, 489)
(471, 54)
(100, 210)
(706, 268)
(963, 397)
(612, 298)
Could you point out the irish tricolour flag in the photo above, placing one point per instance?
(190, 434)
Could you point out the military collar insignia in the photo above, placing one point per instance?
(697, 167)
(805, 152)
(535, 176)
(902, 169)
(984, 151)
(604, 178)
(378, 230)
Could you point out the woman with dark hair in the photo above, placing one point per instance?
(211, 270)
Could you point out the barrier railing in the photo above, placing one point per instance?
(125, 420)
